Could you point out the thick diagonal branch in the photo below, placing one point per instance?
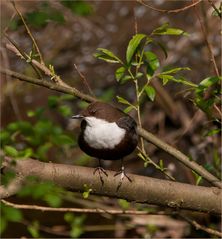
(141, 189)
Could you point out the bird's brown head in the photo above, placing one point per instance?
(101, 110)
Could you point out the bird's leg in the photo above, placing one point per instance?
(100, 169)
(123, 174)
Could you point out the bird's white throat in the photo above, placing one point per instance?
(100, 134)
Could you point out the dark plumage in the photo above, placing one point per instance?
(111, 114)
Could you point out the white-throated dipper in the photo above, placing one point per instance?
(107, 133)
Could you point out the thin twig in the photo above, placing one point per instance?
(84, 80)
(169, 11)
(149, 160)
(19, 52)
(201, 227)
(209, 46)
(80, 210)
(180, 156)
(29, 32)
(50, 85)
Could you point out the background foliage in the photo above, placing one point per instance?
(162, 73)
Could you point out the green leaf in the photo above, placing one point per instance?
(41, 17)
(65, 110)
(204, 85)
(161, 165)
(53, 200)
(87, 191)
(69, 217)
(139, 75)
(67, 97)
(165, 78)
(197, 177)
(76, 231)
(31, 113)
(7, 177)
(11, 151)
(43, 149)
(209, 81)
(175, 70)
(150, 91)
(152, 59)
(123, 204)
(184, 81)
(132, 46)
(125, 79)
(3, 225)
(4, 137)
(120, 73)
(166, 30)
(62, 140)
(78, 7)
(152, 63)
(53, 101)
(107, 56)
(28, 152)
(128, 109)
(122, 100)
(11, 214)
(213, 132)
(34, 229)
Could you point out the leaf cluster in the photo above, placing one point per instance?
(47, 13)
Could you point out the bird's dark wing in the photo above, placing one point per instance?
(127, 123)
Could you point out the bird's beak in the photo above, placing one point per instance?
(79, 116)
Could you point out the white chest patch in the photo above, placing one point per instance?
(100, 134)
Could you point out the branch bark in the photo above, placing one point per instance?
(145, 134)
(141, 189)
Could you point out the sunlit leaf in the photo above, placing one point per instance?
(33, 229)
(153, 59)
(120, 73)
(78, 7)
(62, 139)
(128, 109)
(122, 100)
(123, 204)
(175, 70)
(132, 46)
(12, 214)
(107, 56)
(166, 30)
(150, 91)
(152, 63)
(125, 79)
(11, 151)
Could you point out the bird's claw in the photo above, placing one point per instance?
(122, 174)
(101, 170)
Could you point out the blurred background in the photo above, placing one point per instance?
(68, 33)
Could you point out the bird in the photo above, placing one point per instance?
(107, 133)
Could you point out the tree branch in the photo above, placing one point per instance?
(141, 189)
(50, 85)
(169, 11)
(145, 134)
(82, 210)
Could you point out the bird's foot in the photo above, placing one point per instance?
(122, 174)
(101, 171)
